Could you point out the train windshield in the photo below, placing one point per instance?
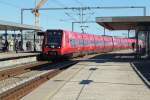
(54, 39)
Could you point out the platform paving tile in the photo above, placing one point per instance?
(108, 84)
(87, 63)
(69, 92)
(116, 76)
(108, 67)
(44, 91)
(94, 81)
(82, 75)
(108, 91)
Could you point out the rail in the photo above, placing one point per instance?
(21, 88)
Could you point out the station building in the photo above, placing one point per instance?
(11, 32)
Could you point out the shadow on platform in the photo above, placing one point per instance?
(141, 65)
(116, 57)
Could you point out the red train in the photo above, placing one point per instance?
(61, 43)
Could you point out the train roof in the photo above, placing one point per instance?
(80, 33)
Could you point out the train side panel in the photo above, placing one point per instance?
(108, 41)
(70, 43)
(99, 43)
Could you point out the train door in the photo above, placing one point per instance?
(78, 48)
(111, 43)
(72, 39)
(127, 44)
(82, 44)
(65, 42)
(90, 46)
(100, 44)
(107, 44)
(114, 43)
(95, 44)
(122, 44)
(103, 43)
(119, 43)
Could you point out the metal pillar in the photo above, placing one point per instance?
(137, 46)
(128, 33)
(146, 44)
(22, 16)
(14, 47)
(104, 31)
(148, 51)
(6, 35)
(144, 11)
(21, 30)
(34, 42)
(72, 26)
(21, 40)
(35, 25)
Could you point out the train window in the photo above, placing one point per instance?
(85, 42)
(77, 42)
(96, 43)
(92, 42)
(54, 39)
(81, 42)
(73, 42)
(101, 43)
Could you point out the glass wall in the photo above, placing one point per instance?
(145, 37)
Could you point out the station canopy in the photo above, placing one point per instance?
(123, 22)
(5, 25)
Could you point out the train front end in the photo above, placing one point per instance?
(52, 43)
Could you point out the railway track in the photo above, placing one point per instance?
(17, 82)
(16, 70)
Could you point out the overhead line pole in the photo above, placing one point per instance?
(81, 8)
(113, 7)
(84, 8)
(21, 30)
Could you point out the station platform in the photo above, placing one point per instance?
(11, 58)
(13, 55)
(111, 76)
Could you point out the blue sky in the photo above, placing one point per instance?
(10, 11)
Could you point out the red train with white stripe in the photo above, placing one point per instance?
(62, 43)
